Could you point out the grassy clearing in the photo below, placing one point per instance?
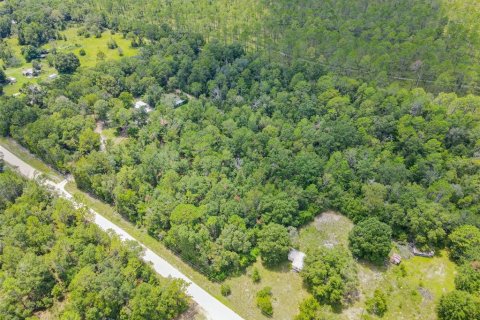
(17, 71)
(92, 46)
(412, 293)
(74, 43)
(287, 292)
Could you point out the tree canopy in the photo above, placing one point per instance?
(371, 240)
(56, 262)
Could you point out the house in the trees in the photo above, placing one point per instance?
(296, 257)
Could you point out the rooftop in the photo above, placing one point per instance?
(296, 257)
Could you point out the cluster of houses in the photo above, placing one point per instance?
(32, 72)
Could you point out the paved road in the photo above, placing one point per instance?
(213, 309)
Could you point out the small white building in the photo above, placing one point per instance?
(12, 80)
(139, 105)
(179, 102)
(296, 257)
(53, 76)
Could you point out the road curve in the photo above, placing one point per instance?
(213, 309)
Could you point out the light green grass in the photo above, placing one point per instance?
(287, 292)
(73, 44)
(413, 296)
(92, 46)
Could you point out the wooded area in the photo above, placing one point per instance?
(54, 263)
(266, 141)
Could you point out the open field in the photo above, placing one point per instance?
(74, 43)
(92, 46)
(412, 290)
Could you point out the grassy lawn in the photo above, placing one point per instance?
(287, 292)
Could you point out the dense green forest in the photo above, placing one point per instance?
(267, 141)
(431, 43)
(54, 263)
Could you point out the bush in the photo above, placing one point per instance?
(112, 44)
(377, 304)
(464, 242)
(264, 301)
(225, 290)
(30, 53)
(82, 52)
(3, 77)
(256, 276)
(468, 277)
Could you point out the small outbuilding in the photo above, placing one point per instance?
(296, 257)
(396, 259)
(428, 254)
(141, 105)
(179, 102)
(12, 80)
(53, 76)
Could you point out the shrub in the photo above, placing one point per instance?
(225, 290)
(377, 304)
(464, 242)
(458, 305)
(264, 301)
(112, 44)
(82, 52)
(256, 276)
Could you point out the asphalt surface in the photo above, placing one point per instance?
(211, 307)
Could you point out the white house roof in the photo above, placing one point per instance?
(140, 104)
(296, 257)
